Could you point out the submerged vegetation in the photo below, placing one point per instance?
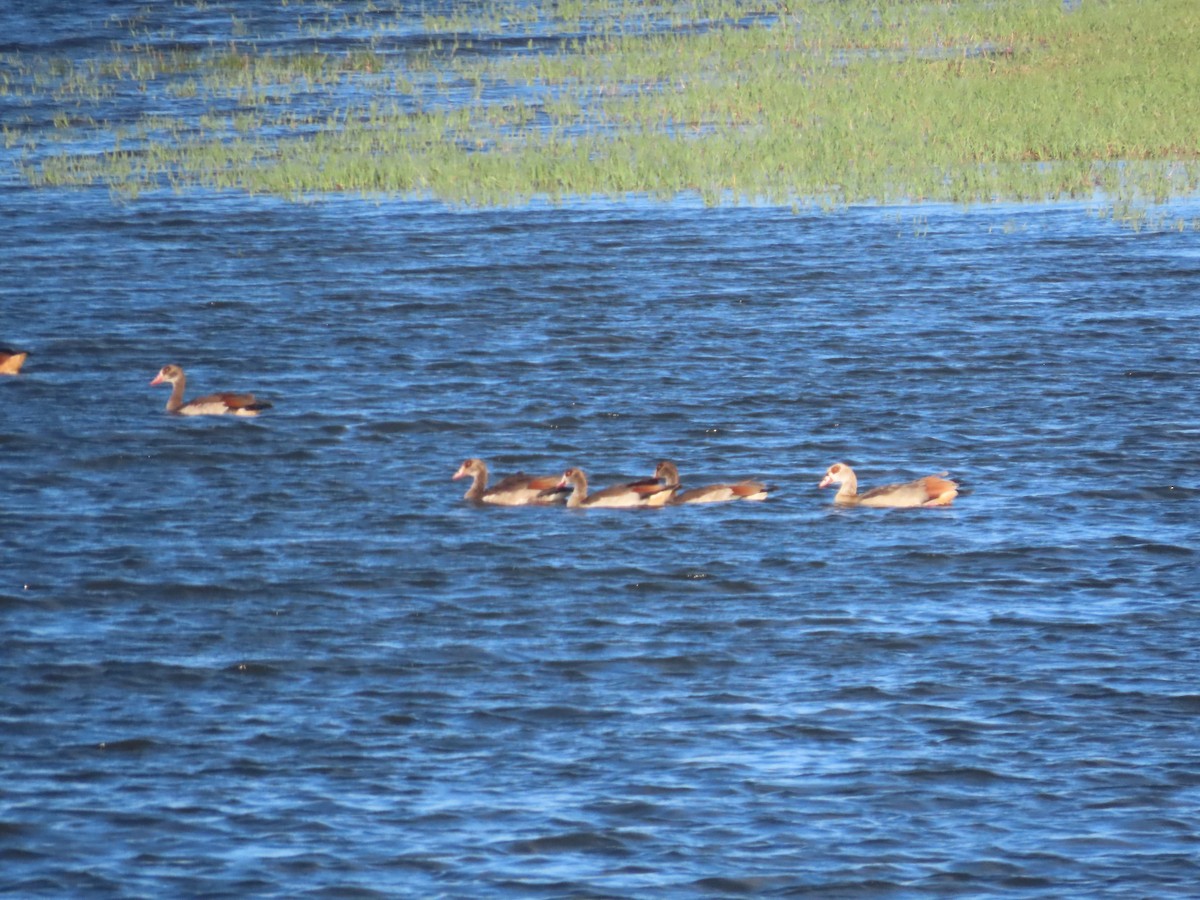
(803, 102)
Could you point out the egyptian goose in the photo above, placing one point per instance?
(212, 405)
(11, 361)
(646, 492)
(932, 490)
(514, 490)
(713, 493)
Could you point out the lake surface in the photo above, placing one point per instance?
(282, 656)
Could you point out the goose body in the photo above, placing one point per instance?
(211, 405)
(514, 490)
(932, 490)
(11, 361)
(668, 473)
(647, 492)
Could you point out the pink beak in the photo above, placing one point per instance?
(826, 481)
(158, 379)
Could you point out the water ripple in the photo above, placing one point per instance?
(283, 656)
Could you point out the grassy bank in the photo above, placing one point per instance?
(798, 103)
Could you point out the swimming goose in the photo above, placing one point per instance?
(714, 493)
(932, 490)
(212, 405)
(647, 492)
(514, 490)
(11, 361)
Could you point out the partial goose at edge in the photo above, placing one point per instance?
(12, 360)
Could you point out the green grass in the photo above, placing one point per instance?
(801, 103)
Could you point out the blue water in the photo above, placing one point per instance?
(282, 657)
